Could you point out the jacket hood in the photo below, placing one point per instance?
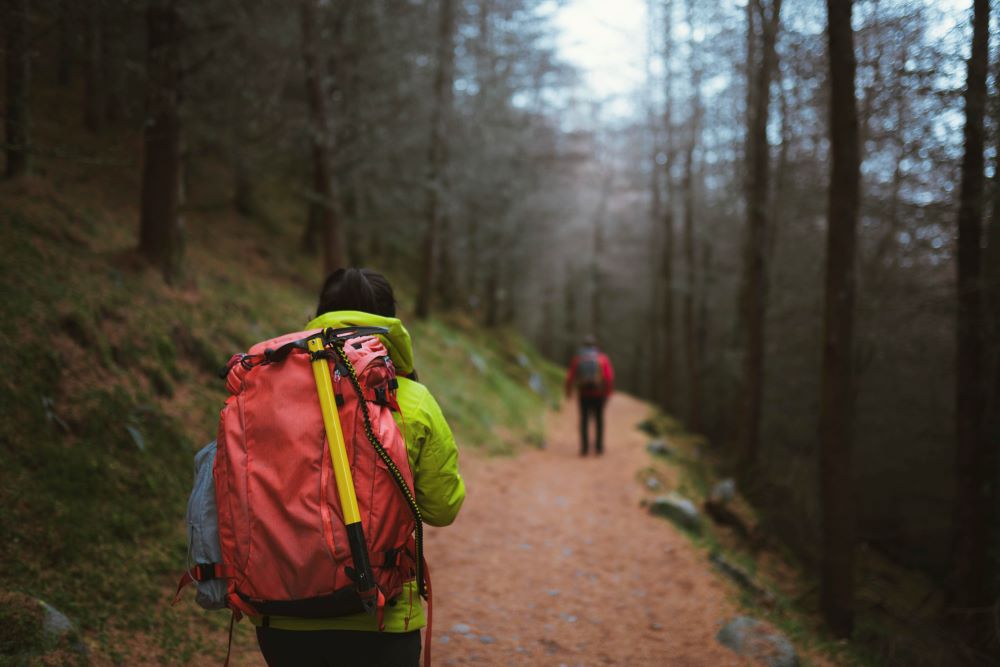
(397, 341)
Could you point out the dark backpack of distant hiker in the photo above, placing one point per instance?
(266, 529)
(589, 375)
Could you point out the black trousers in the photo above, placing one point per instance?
(338, 648)
(592, 407)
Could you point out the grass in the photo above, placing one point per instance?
(108, 387)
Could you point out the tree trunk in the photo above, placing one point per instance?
(547, 335)
(112, 64)
(571, 331)
(244, 193)
(17, 82)
(324, 211)
(597, 276)
(701, 337)
(93, 105)
(437, 180)
(974, 494)
(160, 236)
(65, 36)
(754, 291)
(837, 393)
(667, 267)
(492, 316)
(992, 299)
(693, 371)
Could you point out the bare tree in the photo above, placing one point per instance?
(17, 75)
(160, 234)
(974, 493)
(837, 393)
(94, 105)
(64, 35)
(761, 64)
(992, 313)
(324, 210)
(436, 233)
(667, 261)
(691, 354)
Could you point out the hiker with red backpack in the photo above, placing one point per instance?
(307, 511)
(591, 374)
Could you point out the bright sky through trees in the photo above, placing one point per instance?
(607, 41)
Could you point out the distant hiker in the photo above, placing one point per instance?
(591, 373)
(273, 535)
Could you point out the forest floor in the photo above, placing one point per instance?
(553, 562)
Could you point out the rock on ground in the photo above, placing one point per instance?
(754, 639)
(678, 509)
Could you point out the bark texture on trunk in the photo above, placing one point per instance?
(837, 392)
(17, 81)
(93, 105)
(65, 37)
(161, 234)
(324, 205)
(435, 239)
(754, 290)
(991, 262)
(974, 493)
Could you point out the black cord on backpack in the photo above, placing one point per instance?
(393, 468)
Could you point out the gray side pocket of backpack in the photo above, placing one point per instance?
(203, 529)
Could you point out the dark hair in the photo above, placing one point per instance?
(357, 289)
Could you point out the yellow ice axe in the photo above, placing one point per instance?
(362, 573)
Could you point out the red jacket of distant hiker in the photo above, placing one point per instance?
(607, 384)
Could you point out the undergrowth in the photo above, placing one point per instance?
(898, 616)
(108, 386)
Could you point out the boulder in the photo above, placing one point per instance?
(723, 492)
(56, 624)
(754, 639)
(677, 509)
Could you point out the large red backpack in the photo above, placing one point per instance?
(284, 547)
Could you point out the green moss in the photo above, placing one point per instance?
(20, 624)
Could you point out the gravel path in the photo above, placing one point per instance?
(552, 562)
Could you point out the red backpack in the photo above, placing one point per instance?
(284, 547)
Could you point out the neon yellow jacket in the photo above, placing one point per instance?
(433, 457)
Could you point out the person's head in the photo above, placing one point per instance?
(590, 340)
(357, 289)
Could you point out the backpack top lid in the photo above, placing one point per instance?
(397, 341)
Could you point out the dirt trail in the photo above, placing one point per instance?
(552, 562)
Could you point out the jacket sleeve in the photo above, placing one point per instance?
(609, 375)
(438, 486)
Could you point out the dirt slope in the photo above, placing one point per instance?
(552, 562)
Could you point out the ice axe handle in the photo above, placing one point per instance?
(364, 580)
(362, 575)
